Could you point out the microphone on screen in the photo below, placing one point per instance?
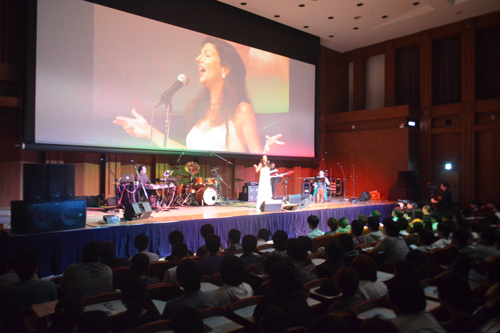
(182, 80)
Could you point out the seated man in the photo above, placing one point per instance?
(263, 237)
(248, 257)
(425, 240)
(333, 224)
(108, 256)
(141, 243)
(333, 262)
(304, 268)
(231, 270)
(211, 264)
(393, 244)
(280, 238)
(369, 285)
(443, 231)
(408, 303)
(173, 238)
(89, 277)
(205, 230)
(234, 237)
(357, 227)
(313, 222)
(486, 245)
(347, 282)
(189, 277)
(374, 235)
(179, 253)
(344, 226)
(139, 265)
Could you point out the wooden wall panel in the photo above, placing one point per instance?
(487, 162)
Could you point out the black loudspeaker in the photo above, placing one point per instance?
(69, 181)
(408, 179)
(56, 182)
(271, 206)
(365, 196)
(396, 193)
(249, 193)
(35, 182)
(137, 210)
(37, 217)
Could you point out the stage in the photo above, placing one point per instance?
(60, 249)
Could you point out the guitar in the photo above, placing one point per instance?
(283, 174)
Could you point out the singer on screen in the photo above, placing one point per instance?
(221, 116)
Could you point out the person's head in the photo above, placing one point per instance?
(264, 234)
(66, 314)
(343, 222)
(282, 278)
(206, 230)
(357, 227)
(231, 270)
(453, 291)
(264, 159)
(403, 223)
(487, 236)
(333, 224)
(139, 264)
(175, 237)
(347, 281)
(406, 267)
(280, 238)
(141, 242)
(334, 251)
(406, 295)
(346, 242)
(188, 320)
(269, 261)
(463, 224)
(91, 252)
(108, 251)
(212, 242)
(328, 324)
(274, 320)
(444, 229)
(143, 170)
(391, 228)
(296, 249)
(365, 267)
(249, 243)
(375, 213)
(373, 223)
(189, 275)
(307, 242)
(419, 214)
(313, 221)
(460, 238)
(234, 236)
(321, 173)
(179, 251)
(444, 186)
(426, 210)
(94, 321)
(417, 257)
(426, 237)
(25, 264)
(135, 296)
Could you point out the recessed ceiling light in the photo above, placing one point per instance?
(355, 28)
(416, 3)
(359, 4)
(243, 3)
(330, 17)
(357, 17)
(385, 16)
(331, 36)
(306, 26)
(302, 5)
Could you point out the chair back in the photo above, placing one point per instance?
(164, 292)
(121, 276)
(102, 298)
(243, 303)
(321, 241)
(158, 269)
(153, 327)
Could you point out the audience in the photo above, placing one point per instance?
(89, 277)
(280, 238)
(328, 324)
(175, 237)
(141, 243)
(486, 245)
(263, 237)
(347, 282)
(333, 262)
(139, 265)
(94, 321)
(350, 252)
(403, 225)
(108, 256)
(369, 285)
(211, 264)
(444, 230)
(249, 243)
(231, 270)
(357, 227)
(377, 325)
(344, 226)
(10, 276)
(179, 253)
(313, 222)
(425, 240)
(374, 235)
(269, 261)
(333, 224)
(393, 244)
(66, 315)
(205, 230)
(464, 259)
(189, 277)
(304, 269)
(234, 237)
(274, 320)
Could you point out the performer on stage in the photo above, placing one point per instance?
(142, 177)
(265, 192)
(444, 203)
(274, 180)
(319, 194)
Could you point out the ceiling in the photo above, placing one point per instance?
(344, 25)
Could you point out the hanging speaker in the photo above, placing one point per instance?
(137, 210)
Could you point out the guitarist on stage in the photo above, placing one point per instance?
(319, 194)
(274, 180)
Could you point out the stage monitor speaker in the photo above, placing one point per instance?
(138, 210)
(365, 196)
(303, 204)
(249, 193)
(271, 206)
(294, 198)
(37, 217)
(408, 179)
(35, 182)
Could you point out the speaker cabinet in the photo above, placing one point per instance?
(249, 193)
(303, 204)
(294, 198)
(69, 181)
(306, 188)
(271, 206)
(48, 182)
(56, 182)
(34, 217)
(137, 210)
(365, 196)
(35, 182)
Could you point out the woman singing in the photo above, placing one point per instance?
(265, 192)
(221, 116)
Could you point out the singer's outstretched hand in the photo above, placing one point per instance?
(137, 126)
(271, 140)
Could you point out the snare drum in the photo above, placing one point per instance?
(206, 195)
(199, 182)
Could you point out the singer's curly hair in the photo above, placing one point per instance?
(234, 91)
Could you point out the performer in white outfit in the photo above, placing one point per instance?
(265, 191)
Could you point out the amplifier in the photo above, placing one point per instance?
(249, 193)
(252, 184)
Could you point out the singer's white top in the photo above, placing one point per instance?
(214, 139)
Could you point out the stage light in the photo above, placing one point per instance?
(412, 123)
(448, 166)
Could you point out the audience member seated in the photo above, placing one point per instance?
(274, 320)
(455, 297)
(328, 324)
(141, 243)
(269, 261)
(66, 315)
(486, 245)
(30, 290)
(89, 277)
(333, 224)
(344, 226)
(179, 253)
(307, 242)
(108, 256)
(393, 244)
(248, 244)
(369, 285)
(139, 265)
(426, 269)
(333, 262)
(211, 264)
(10, 276)
(304, 269)
(175, 237)
(205, 230)
(234, 237)
(377, 324)
(312, 223)
(444, 230)
(418, 217)
(140, 309)
(417, 227)
(357, 227)
(425, 240)
(491, 307)
(188, 320)
(285, 294)
(95, 321)
(464, 259)
(350, 252)
(280, 238)
(374, 235)
(403, 225)
(362, 218)
(263, 237)
(231, 271)
(408, 303)
(406, 267)
(347, 282)
(189, 277)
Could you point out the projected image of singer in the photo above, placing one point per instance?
(221, 116)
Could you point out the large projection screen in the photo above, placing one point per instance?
(94, 65)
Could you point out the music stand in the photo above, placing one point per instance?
(285, 182)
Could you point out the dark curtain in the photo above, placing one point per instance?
(447, 70)
(488, 63)
(407, 76)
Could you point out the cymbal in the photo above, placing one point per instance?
(215, 169)
(238, 180)
(192, 167)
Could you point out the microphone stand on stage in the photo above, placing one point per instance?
(117, 188)
(140, 182)
(227, 174)
(345, 180)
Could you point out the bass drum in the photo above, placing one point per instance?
(206, 195)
